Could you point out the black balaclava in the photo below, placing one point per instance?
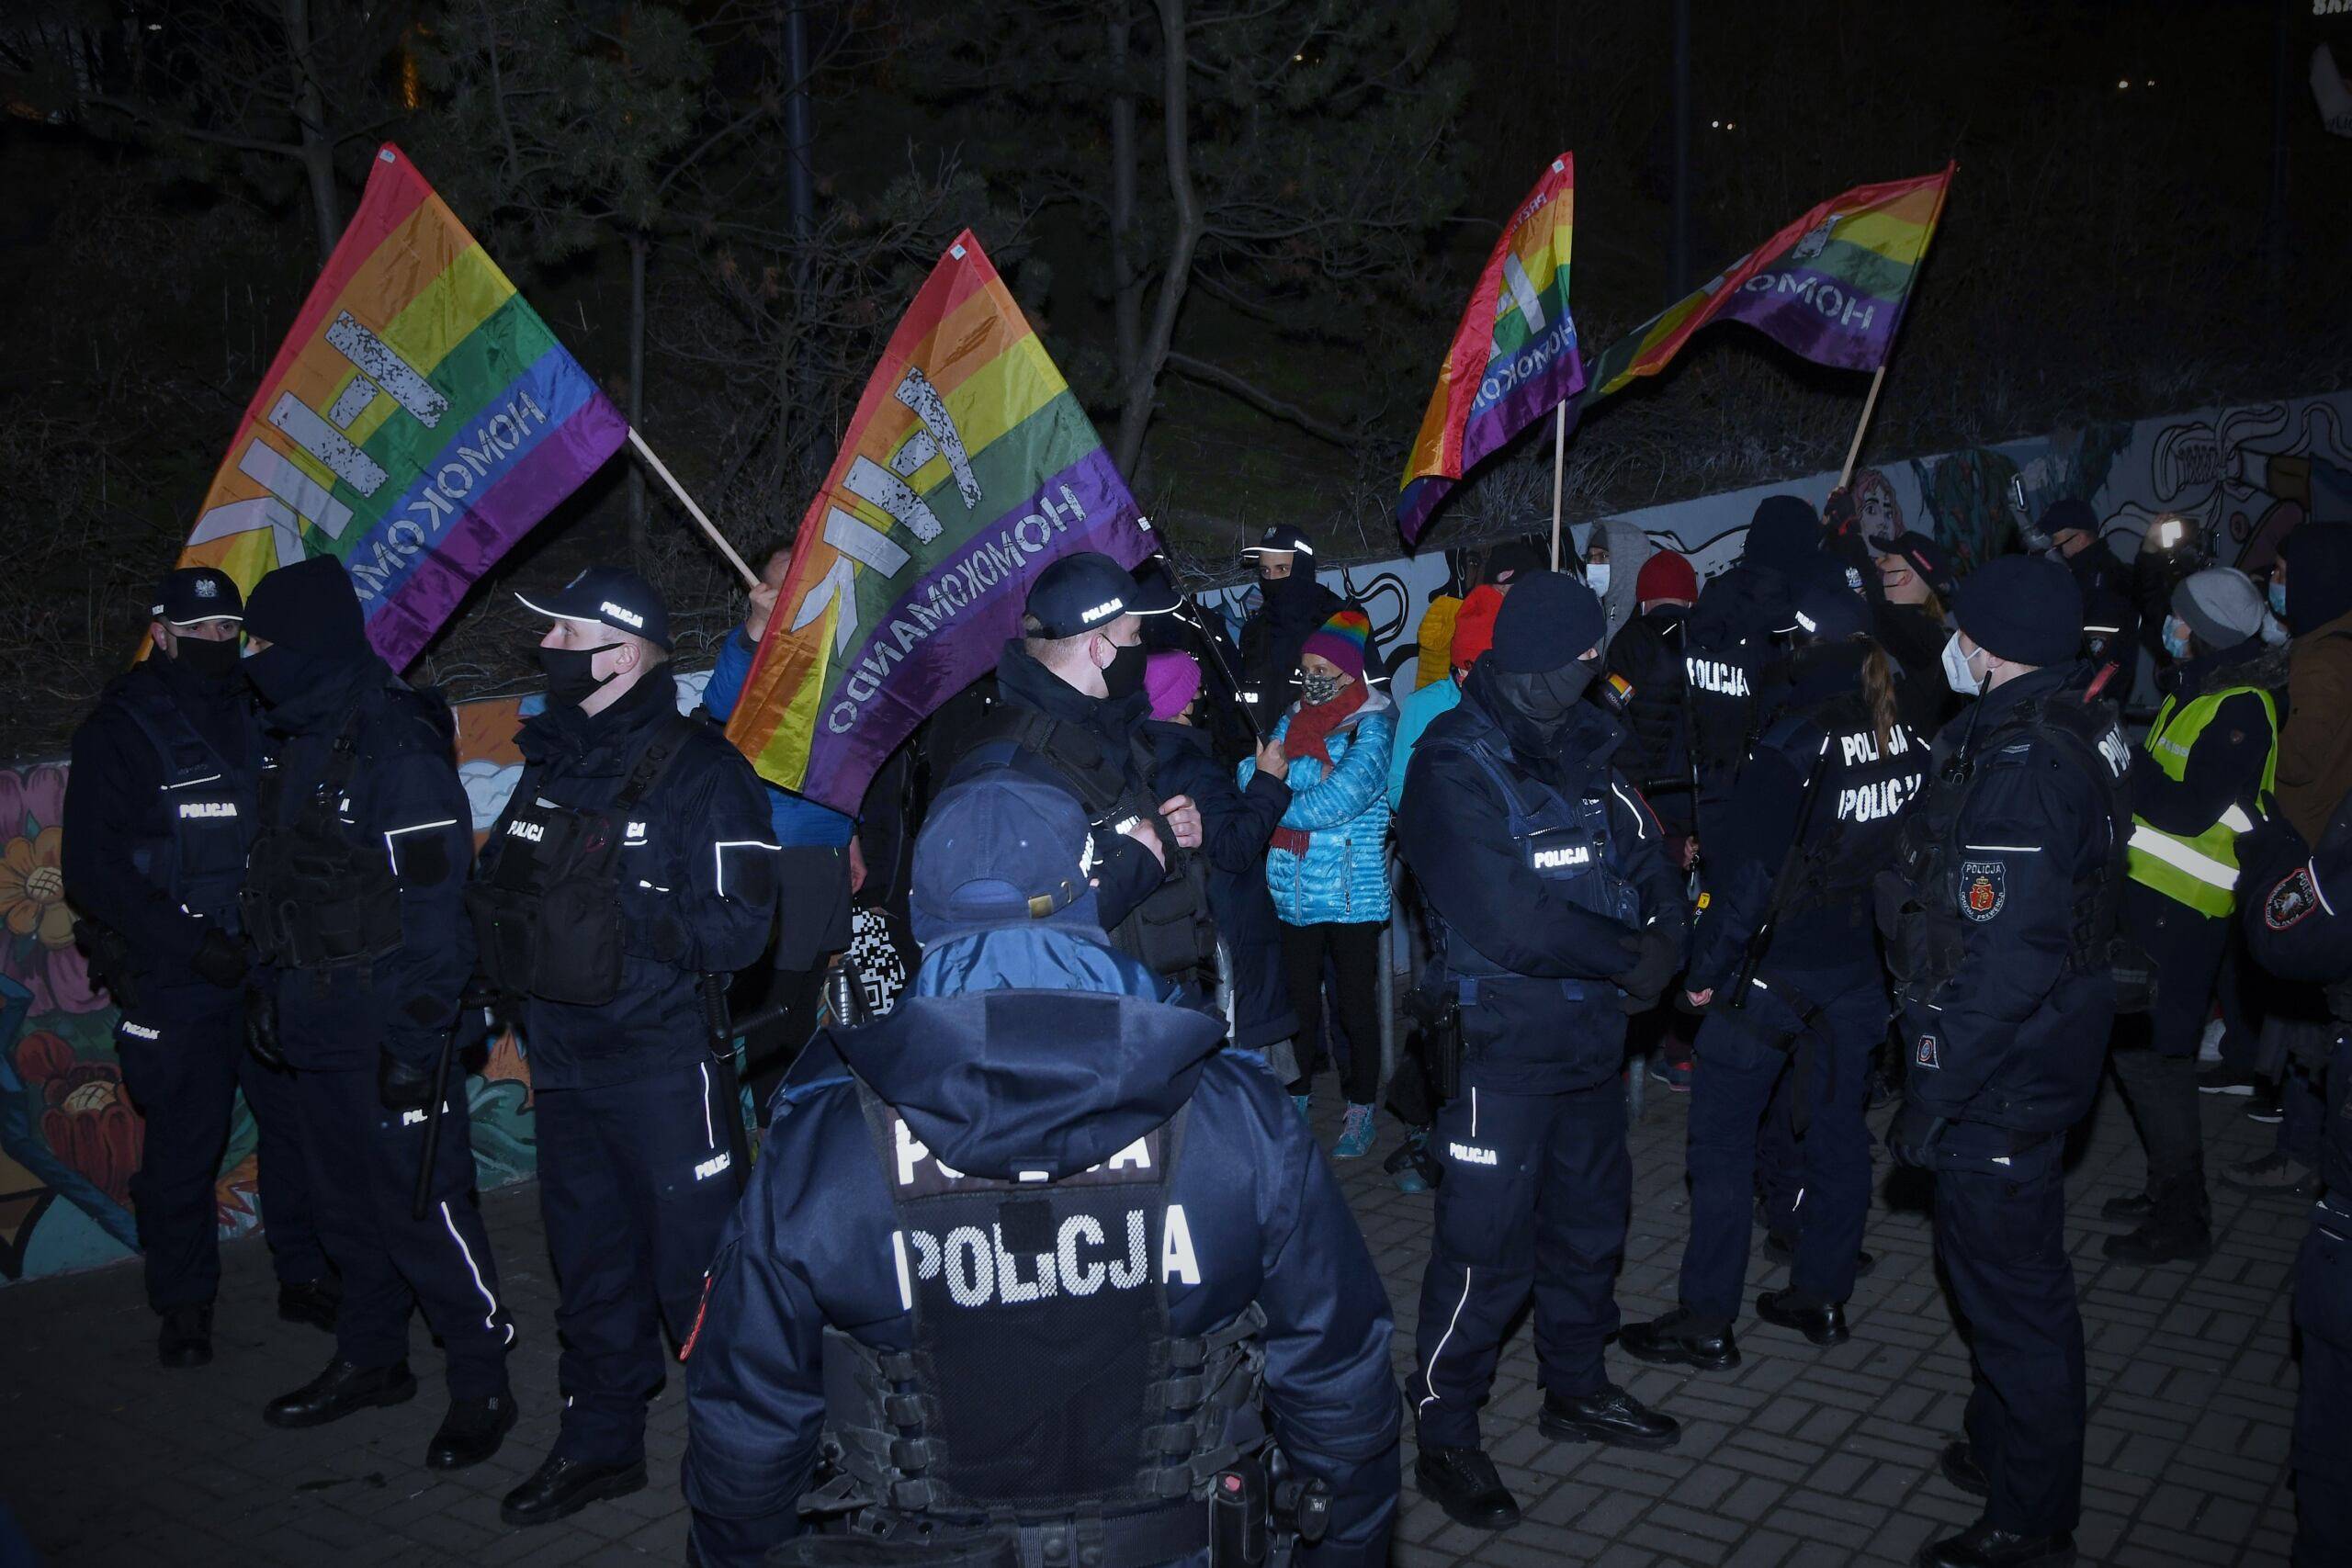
(203, 659)
(318, 650)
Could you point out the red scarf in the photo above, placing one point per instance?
(1310, 727)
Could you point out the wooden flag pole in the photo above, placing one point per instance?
(1861, 426)
(751, 578)
(1559, 463)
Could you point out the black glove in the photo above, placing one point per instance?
(1913, 1135)
(218, 959)
(402, 1086)
(1656, 957)
(261, 1028)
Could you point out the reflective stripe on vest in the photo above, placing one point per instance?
(2200, 870)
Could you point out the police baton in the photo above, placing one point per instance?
(730, 1088)
(432, 1108)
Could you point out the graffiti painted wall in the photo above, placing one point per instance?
(2247, 474)
(70, 1136)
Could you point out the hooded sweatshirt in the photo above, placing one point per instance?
(1628, 548)
(1034, 1048)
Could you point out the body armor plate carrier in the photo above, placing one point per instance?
(547, 912)
(1919, 897)
(318, 896)
(1044, 1396)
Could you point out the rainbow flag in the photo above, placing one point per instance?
(1831, 286)
(968, 467)
(1514, 356)
(417, 421)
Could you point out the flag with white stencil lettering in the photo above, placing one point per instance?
(418, 420)
(968, 467)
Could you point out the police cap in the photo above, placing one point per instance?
(1001, 849)
(188, 595)
(1088, 591)
(2025, 609)
(612, 595)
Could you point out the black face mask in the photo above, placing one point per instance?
(208, 660)
(570, 677)
(1122, 677)
(277, 673)
(1542, 701)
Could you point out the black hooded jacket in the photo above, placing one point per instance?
(1291, 610)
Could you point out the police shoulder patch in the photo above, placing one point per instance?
(1984, 888)
(1927, 1055)
(2292, 901)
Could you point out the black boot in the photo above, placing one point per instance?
(1959, 1465)
(186, 1338)
(1680, 1339)
(561, 1487)
(340, 1391)
(2175, 1231)
(472, 1432)
(1612, 1415)
(314, 1302)
(2130, 1206)
(1825, 1325)
(1462, 1482)
(1982, 1546)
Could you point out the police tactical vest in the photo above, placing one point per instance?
(1924, 900)
(546, 906)
(1856, 819)
(2200, 869)
(1043, 1385)
(1170, 931)
(210, 806)
(318, 893)
(1568, 844)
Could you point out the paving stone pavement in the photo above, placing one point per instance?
(1801, 1459)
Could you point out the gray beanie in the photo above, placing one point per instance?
(2221, 605)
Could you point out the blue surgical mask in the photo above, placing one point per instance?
(2176, 639)
(1596, 576)
(2278, 597)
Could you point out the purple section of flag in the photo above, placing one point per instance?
(1528, 400)
(1819, 315)
(948, 628)
(414, 601)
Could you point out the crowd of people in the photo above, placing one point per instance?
(1045, 1264)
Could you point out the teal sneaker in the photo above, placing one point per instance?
(1355, 1137)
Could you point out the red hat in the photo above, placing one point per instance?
(1474, 626)
(1665, 575)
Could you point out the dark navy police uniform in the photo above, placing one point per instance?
(2000, 946)
(634, 858)
(1817, 1005)
(159, 809)
(1541, 870)
(1034, 1254)
(2296, 916)
(355, 900)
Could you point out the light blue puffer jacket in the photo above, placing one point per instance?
(1344, 876)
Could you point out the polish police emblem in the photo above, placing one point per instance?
(1984, 888)
(2292, 901)
(1926, 1055)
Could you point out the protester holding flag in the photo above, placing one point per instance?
(630, 876)
(354, 901)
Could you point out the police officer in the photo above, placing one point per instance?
(1784, 951)
(353, 899)
(159, 812)
(630, 876)
(2211, 754)
(1733, 634)
(1026, 1256)
(1292, 604)
(1070, 710)
(2001, 945)
(1558, 915)
(2111, 591)
(2297, 922)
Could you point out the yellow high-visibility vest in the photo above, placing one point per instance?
(2200, 870)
